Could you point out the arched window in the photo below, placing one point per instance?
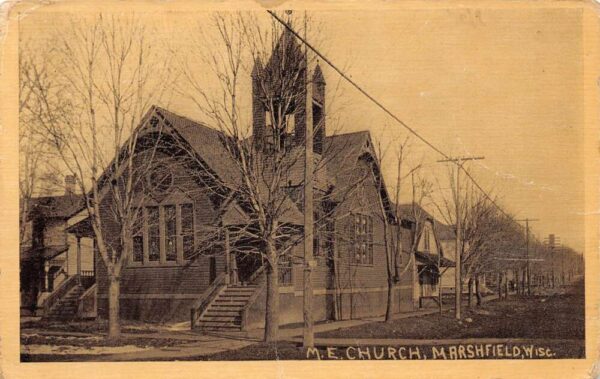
(164, 234)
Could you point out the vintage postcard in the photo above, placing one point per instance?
(404, 189)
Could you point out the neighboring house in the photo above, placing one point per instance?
(48, 253)
(447, 237)
(164, 280)
(431, 263)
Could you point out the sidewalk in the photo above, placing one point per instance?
(288, 333)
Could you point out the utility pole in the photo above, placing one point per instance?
(527, 270)
(308, 335)
(459, 161)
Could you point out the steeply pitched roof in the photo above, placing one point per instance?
(406, 212)
(445, 232)
(207, 143)
(341, 152)
(62, 206)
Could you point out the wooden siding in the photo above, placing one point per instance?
(169, 278)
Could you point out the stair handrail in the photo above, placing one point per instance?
(257, 275)
(246, 309)
(64, 287)
(91, 291)
(206, 298)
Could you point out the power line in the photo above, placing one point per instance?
(386, 110)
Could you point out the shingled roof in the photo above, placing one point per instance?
(62, 206)
(341, 153)
(406, 212)
(443, 231)
(207, 143)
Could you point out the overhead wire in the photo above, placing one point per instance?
(388, 112)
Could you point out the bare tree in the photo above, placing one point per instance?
(491, 241)
(106, 71)
(37, 173)
(267, 181)
(37, 176)
(393, 228)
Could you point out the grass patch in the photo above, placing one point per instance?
(555, 317)
(91, 326)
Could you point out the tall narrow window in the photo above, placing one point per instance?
(426, 240)
(370, 240)
(187, 230)
(138, 237)
(170, 233)
(153, 234)
(363, 239)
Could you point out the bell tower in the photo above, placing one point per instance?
(279, 98)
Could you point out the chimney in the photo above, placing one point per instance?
(69, 184)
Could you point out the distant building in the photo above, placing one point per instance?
(48, 253)
(432, 262)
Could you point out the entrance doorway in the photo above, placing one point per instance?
(212, 269)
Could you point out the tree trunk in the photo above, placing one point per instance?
(470, 293)
(114, 327)
(499, 286)
(390, 299)
(478, 291)
(272, 309)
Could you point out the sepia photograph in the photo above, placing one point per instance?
(272, 184)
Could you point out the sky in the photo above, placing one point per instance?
(506, 84)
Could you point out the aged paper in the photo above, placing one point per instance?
(253, 188)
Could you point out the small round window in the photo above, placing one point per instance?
(160, 179)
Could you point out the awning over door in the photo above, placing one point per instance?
(432, 259)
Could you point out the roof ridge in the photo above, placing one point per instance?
(191, 120)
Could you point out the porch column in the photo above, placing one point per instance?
(227, 258)
(79, 259)
(46, 282)
(233, 269)
(94, 254)
(67, 262)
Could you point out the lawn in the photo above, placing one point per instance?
(555, 322)
(537, 317)
(91, 326)
(541, 317)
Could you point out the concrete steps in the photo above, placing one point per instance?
(224, 312)
(66, 308)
